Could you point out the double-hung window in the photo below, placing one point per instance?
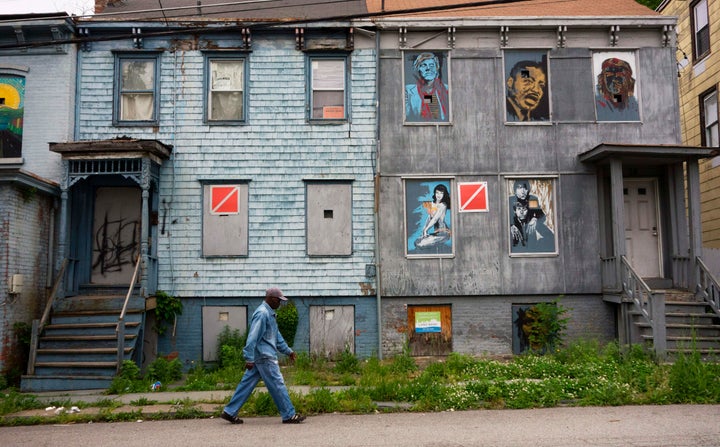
(709, 115)
(136, 99)
(225, 99)
(701, 29)
(328, 88)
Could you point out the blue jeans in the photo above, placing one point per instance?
(269, 372)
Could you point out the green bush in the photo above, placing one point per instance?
(165, 371)
(287, 320)
(230, 344)
(546, 326)
(128, 380)
(167, 308)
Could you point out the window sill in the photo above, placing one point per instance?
(11, 161)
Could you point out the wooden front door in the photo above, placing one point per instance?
(642, 232)
(116, 235)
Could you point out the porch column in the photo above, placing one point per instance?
(62, 229)
(693, 185)
(144, 224)
(618, 215)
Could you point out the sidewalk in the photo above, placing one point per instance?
(155, 403)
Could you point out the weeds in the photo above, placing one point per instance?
(583, 373)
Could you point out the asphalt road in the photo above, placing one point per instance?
(656, 426)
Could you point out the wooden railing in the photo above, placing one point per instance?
(39, 325)
(707, 286)
(610, 281)
(120, 329)
(650, 305)
(681, 272)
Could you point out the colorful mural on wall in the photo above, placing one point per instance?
(531, 206)
(427, 96)
(428, 217)
(526, 86)
(12, 107)
(616, 91)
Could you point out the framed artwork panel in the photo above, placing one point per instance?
(428, 218)
(616, 91)
(527, 86)
(532, 216)
(426, 77)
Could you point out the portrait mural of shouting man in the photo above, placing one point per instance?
(526, 86)
(615, 91)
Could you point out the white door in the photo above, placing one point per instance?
(642, 233)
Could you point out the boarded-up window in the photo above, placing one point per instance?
(430, 330)
(215, 319)
(328, 88)
(329, 219)
(225, 220)
(12, 109)
(332, 330)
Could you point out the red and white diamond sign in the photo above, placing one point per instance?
(224, 200)
(473, 197)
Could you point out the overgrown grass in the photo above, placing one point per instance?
(581, 374)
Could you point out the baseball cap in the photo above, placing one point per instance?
(275, 293)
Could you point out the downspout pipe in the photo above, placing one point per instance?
(378, 276)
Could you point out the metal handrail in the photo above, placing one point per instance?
(38, 326)
(120, 328)
(707, 286)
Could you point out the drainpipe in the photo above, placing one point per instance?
(376, 220)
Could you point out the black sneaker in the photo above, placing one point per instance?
(231, 419)
(294, 419)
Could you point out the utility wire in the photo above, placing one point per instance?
(253, 25)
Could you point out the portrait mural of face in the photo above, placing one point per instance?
(428, 217)
(531, 206)
(616, 88)
(526, 86)
(427, 97)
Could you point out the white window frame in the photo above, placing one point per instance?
(122, 90)
(709, 102)
(701, 29)
(210, 61)
(319, 85)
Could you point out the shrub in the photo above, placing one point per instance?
(164, 370)
(546, 326)
(230, 345)
(287, 320)
(167, 308)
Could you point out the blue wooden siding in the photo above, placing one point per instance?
(275, 151)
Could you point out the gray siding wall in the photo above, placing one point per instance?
(479, 146)
(482, 281)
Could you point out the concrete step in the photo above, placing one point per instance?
(63, 382)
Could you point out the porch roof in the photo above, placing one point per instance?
(114, 148)
(647, 154)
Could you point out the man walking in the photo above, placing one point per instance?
(264, 341)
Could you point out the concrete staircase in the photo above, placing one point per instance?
(691, 325)
(78, 348)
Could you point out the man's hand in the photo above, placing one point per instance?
(249, 365)
(292, 356)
